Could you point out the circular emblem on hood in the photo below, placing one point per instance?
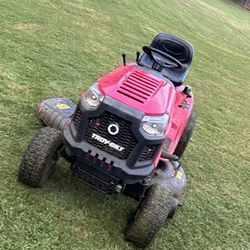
(113, 129)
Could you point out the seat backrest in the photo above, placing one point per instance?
(176, 47)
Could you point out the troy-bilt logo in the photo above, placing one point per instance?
(106, 141)
(113, 129)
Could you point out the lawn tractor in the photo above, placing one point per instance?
(126, 134)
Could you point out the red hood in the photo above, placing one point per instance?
(139, 89)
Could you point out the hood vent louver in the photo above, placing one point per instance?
(139, 86)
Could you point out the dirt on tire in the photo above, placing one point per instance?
(40, 157)
(151, 216)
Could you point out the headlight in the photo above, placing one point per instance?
(155, 125)
(92, 98)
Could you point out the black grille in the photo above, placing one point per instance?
(125, 138)
(77, 118)
(148, 153)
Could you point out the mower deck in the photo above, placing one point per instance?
(56, 112)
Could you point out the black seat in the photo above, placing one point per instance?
(175, 47)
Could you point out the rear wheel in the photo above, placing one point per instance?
(40, 157)
(151, 215)
(186, 136)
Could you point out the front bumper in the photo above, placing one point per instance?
(128, 170)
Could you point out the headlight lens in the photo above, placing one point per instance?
(92, 98)
(155, 125)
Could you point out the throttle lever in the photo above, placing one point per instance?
(170, 157)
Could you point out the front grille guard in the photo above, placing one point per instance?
(126, 139)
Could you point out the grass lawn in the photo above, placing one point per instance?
(58, 48)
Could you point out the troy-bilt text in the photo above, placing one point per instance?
(106, 141)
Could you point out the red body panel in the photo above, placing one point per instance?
(152, 95)
(182, 108)
(139, 89)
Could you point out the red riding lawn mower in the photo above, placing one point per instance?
(126, 134)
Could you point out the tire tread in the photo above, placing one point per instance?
(37, 155)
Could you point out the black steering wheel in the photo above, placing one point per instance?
(163, 59)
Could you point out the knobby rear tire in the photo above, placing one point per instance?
(186, 136)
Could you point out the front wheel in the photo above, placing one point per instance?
(40, 157)
(151, 215)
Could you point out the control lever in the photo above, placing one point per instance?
(170, 157)
(137, 56)
(124, 59)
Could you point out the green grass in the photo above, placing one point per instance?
(58, 48)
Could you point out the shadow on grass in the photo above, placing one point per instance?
(110, 214)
